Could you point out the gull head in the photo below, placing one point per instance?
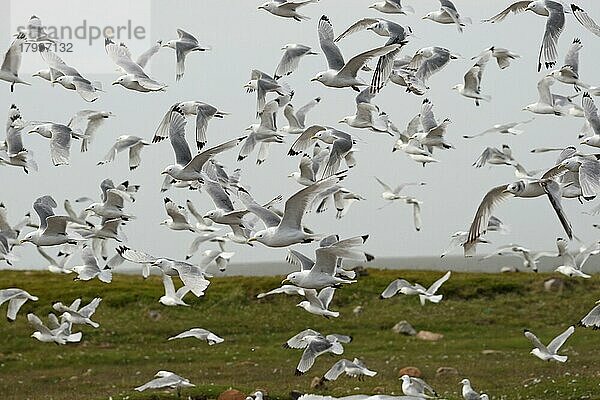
(537, 7)
(294, 175)
(170, 43)
(572, 164)
(293, 278)
(251, 85)
(428, 16)
(165, 222)
(341, 121)
(120, 80)
(405, 378)
(304, 304)
(28, 238)
(266, 6)
(37, 335)
(258, 237)
(288, 46)
(465, 382)
(515, 188)
(168, 170)
(211, 215)
(318, 77)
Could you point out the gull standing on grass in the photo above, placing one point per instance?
(16, 298)
(404, 287)
(467, 391)
(314, 345)
(287, 230)
(201, 334)
(183, 45)
(550, 352)
(416, 387)
(343, 74)
(9, 71)
(204, 113)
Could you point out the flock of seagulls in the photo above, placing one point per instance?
(326, 156)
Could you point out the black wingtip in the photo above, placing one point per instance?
(369, 257)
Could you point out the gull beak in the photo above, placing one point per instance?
(115, 83)
(252, 239)
(582, 142)
(163, 173)
(314, 137)
(425, 17)
(287, 280)
(314, 79)
(341, 121)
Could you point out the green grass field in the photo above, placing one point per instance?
(479, 312)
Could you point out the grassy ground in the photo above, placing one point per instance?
(479, 312)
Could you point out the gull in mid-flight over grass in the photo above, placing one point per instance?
(314, 345)
(550, 352)
(318, 304)
(55, 332)
(52, 228)
(425, 294)
(523, 189)
(201, 334)
(166, 379)
(325, 271)
(530, 258)
(74, 314)
(354, 369)
(571, 265)
(592, 319)
(16, 298)
(192, 276)
(458, 238)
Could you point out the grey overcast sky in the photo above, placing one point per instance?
(243, 38)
